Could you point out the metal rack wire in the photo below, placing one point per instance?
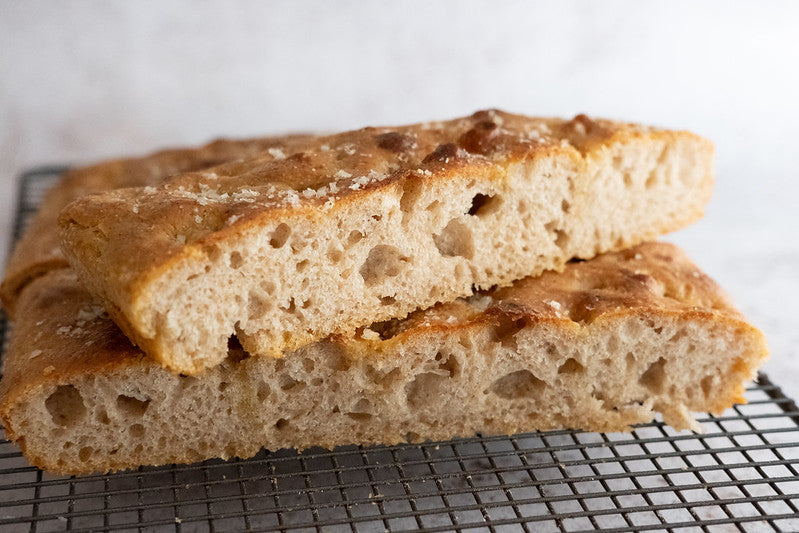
(741, 475)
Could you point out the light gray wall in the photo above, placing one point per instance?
(90, 79)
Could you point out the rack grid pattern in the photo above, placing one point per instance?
(741, 475)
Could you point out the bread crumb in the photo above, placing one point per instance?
(370, 334)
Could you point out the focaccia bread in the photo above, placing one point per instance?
(372, 224)
(38, 251)
(600, 346)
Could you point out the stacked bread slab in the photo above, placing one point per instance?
(272, 297)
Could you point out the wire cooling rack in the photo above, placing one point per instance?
(741, 475)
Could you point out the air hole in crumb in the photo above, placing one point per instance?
(484, 205)
(707, 385)
(561, 239)
(213, 252)
(413, 437)
(505, 332)
(308, 364)
(377, 218)
(263, 391)
(306, 304)
(102, 417)
(411, 191)
(655, 376)
(383, 262)
(65, 406)
(571, 366)
(334, 355)
(455, 240)
(335, 255)
(630, 359)
(316, 382)
(651, 180)
(628, 179)
(354, 238)
(235, 352)
(565, 206)
(387, 328)
(302, 265)
(519, 384)
(280, 236)
(236, 260)
(132, 407)
(267, 286)
(432, 206)
(222, 386)
(291, 307)
(361, 410)
(451, 366)
(85, 453)
(282, 423)
(137, 430)
(387, 300)
(288, 383)
(424, 390)
(258, 306)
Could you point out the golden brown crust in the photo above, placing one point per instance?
(38, 250)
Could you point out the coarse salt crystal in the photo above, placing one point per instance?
(342, 174)
(277, 153)
(34, 354)
(554, 305)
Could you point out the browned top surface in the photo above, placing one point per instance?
(38, 250)
(124, 236)
(63, 334)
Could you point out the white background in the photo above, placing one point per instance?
(86, 80)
